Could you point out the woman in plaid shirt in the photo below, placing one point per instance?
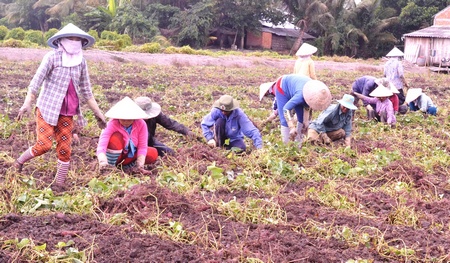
(64, 76)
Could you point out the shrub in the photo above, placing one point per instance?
(126, 40)
(109, 44)
(171, 50)
(50, 33)
(3, 32)
(187, 50)
(150, 48)
(34, 36)
(16, 33)
(13, 43)
(162, 40)
(109, 35)
(94, 34)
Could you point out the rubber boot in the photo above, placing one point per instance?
(61, 172)
(25, 157)
(285, 134)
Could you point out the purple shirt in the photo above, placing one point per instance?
(383, 106)
(55, 80)
(70, 102)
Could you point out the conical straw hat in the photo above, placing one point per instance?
(126, 109)
(316, 94)
(306, 49)
(71, 30)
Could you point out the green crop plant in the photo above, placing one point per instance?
(329, 196)
(262, 211)
(27, 249)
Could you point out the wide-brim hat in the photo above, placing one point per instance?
(71, 30)
(150, 107)
(413, 94)
(306, 50)
(348, 102)
(263, 88)
(126, 109)
(386, 83)
(226, 103)
(395, 52)
(381, 91)
(316, 94)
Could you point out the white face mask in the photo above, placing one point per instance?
(72, 52)
(72, 47)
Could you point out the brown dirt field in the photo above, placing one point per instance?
(223, 239)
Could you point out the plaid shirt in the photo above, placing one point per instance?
(56, 79)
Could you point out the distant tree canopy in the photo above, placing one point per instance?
(368, 29)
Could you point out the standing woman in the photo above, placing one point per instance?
(393, 71)
(64, 76)
(304, 64)
(299, 93)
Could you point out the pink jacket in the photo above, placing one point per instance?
(139, 135)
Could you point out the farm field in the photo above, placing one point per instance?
(385, 199)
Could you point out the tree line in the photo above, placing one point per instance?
(367, 28)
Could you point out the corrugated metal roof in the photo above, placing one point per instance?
(431, 32)
(286, 32)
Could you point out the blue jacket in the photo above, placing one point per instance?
(333, 119)
(237, 125)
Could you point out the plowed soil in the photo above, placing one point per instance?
(221, 238)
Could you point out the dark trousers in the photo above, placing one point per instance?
(220, 136)
(162, 148)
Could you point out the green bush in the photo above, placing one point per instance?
(162, 40)
(34, 36)
(94, 34)
(171, 50)
(126, 39)
(50, 33)
(3, 32)
(16, 33)
(109, 44)
(13, 43)
(187, 50)
(110, 35)
(132, 48)
(150, 48)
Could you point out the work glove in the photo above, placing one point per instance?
(212, 143)
(103, 166)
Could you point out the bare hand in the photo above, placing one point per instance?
(101, 122)
(75, 139)
(25, 109)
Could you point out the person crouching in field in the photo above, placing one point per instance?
(124, 140)
(384, 110)
(417, 100)
(334, 123)
(299, 93)
(156, 116)
(63, 75)
(229, 123)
